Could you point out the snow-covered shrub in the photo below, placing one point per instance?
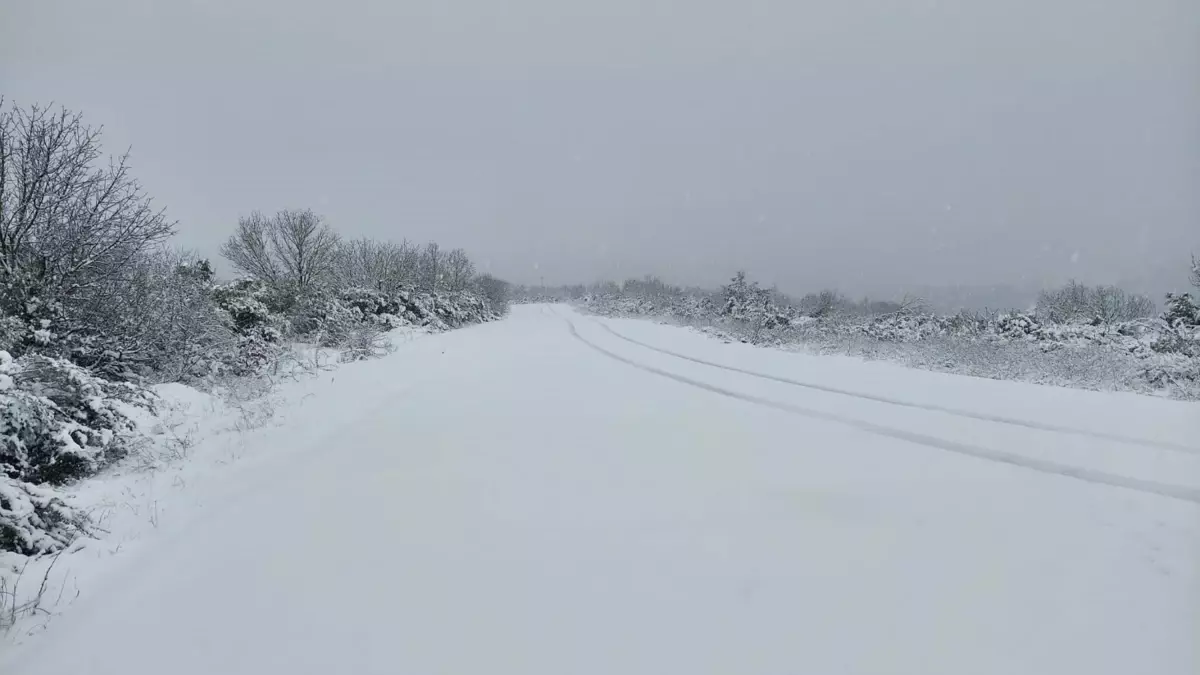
(1182, 333)
(35, 520)
(383, 311)
(258, 336)
(1140, 355)
(242, 301)
(365, 341)
(1017, 326)
(149, 319)
(1179, 373)
(744, 300)
(154, 320)
(12, 333)
(1181, 311)
(441, 311)
(31, 323)
(495, 293)
(370, 302)
(331, 322)
(58, 422)
(354, 320)
(461, 308)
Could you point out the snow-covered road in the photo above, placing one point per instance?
(560, 494)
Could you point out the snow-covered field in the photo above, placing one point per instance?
(556, 493)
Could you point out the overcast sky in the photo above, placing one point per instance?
(872, 145)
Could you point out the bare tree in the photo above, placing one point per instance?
(250, 248)
(912, 304)
(821, 304)
(459, 270)
(66, 224)
(1140, 307)
(1195, 272)
(432, 268)
(294, 250)
(384, 266)
(1069, 303)
(1102, 304)
(304, 247)
(1110, 304)
(410, 263)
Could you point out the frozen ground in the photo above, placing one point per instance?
(559, 494)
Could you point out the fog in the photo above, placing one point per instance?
(871, 146)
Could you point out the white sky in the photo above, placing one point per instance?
(872, 145)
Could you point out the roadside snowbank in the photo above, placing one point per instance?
(191, 451)
(1149, 356)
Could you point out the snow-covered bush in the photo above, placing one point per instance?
(1182, 334)
(495, 292)
(356, 319)
(370, 302)
(35, 520)
(258, 336)
(1177, 373)
(365, 341)
(331, 323)
(1181, 311)
(441, 311)
(153, 321)
(242, 302)
(1160, 355)
(745, 301)
(59, 422)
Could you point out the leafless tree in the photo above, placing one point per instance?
(356, 263)
(250, 251)
(1079, 302)
(1195, 272)
(459, 270)
(821, 304)
(1069, 303)
(912, 304)
(1140, 307)
(1106, 303)
(66, 224)
(294, 250)
(383, 266)
(410, 264)
(304, 247)
(1110, 304)
(432, 268)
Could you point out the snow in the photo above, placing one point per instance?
(539, 495)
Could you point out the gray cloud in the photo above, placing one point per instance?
(873, 146)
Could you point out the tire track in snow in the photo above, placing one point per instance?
(1042, 466)
(1040, 426)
